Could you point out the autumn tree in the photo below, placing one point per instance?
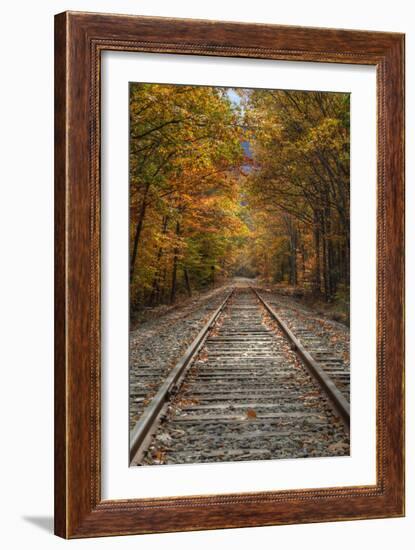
(254, 187)
(300, 184)
(185, 154)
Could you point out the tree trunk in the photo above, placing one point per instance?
(317, 276)
(174, 274)
(302, 253)
(325, 260)
(327, 256)
(137, 233)
(162, 290)
(187, 281)
(293, 255)
(155, 289)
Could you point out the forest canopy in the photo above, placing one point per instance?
(227, 182)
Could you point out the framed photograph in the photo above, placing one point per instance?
(229, 275)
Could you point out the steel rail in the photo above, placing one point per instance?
(340, 404)
(145, 427)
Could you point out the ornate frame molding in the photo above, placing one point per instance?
(79, 40)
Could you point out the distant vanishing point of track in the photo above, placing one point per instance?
(247, 388)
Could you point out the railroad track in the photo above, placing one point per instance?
(331, 360)
(246, 389)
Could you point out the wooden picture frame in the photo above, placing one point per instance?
(79, 40)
